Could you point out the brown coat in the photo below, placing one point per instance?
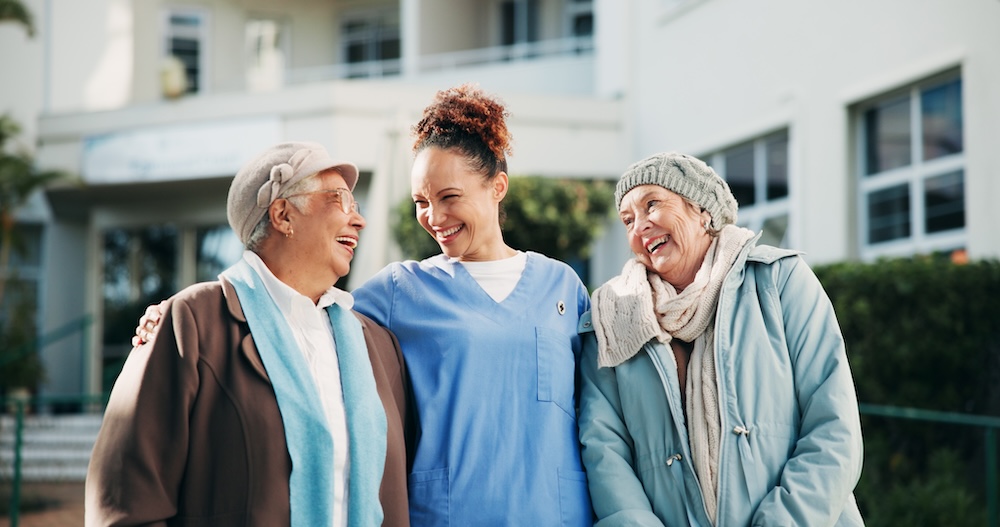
(192, 435)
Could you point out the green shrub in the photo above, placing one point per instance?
(921, 332)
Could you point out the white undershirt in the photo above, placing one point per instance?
(313, 332)
(498, 277)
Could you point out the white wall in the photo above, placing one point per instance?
(90, 56)
(722, 71)
(22, 61)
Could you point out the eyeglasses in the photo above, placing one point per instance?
(344, 197)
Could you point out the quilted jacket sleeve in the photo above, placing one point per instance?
(817, 482)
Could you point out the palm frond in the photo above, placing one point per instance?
(16, 11)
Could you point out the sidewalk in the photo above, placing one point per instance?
(66, 509)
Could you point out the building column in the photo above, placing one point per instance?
(409, 22)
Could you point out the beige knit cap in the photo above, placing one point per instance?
(262, 180)
(686, 176)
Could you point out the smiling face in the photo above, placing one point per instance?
(666, 233)
(457, 206)
(324, 235)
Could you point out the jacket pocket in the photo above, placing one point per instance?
(556, 369)
(430, 498)
(574, 498)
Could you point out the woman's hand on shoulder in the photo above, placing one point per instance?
(149, 324)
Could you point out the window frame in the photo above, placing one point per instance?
(380, 23)
(573, 9)
(755, 215)
(527, 22)
(202, 35)
(913, 176)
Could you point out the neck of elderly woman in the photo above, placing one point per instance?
(288, 266)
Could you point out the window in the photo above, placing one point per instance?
(144, 265)
(371, 44)
(518, 22)
(912, 166)
(757, 173)
(266, 48)
(580, 18)
(184, 40)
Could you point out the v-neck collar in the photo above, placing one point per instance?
(475, 296)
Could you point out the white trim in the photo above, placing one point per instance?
(766, 125)
(889, 82)
(542, 48)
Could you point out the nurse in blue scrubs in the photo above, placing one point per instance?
(489, 336)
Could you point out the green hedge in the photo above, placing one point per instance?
(921, 332)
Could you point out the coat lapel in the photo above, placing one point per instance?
(247, 347)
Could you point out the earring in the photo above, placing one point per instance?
(290, 233)
(706, 225)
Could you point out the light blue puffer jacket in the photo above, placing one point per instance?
(791, 446)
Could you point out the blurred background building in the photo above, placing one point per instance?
(850, 130)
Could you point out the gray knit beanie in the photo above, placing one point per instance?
(262, 180)
(686, 176)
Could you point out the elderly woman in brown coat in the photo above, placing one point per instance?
(263, 399)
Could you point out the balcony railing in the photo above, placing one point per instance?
(445, 61)
(521, 51)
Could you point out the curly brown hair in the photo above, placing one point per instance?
(470, 121)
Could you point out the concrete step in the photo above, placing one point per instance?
(54, 447)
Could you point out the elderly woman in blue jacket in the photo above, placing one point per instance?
(716, 387)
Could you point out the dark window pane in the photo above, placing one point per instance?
(139, 269)
(944, 202)
(182, 46)
(354, 26)
(583, 25)
(887, 136)
(218, 248)
(507, 23)
(776, 147)
(357, 52)
(388, 49)
(941, 113)
(889, 214)
(739, 173)
(187, 50)
(532, 20)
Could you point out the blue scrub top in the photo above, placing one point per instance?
(494, 387)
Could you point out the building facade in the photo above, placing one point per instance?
(851, 131)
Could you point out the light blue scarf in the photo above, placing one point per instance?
(307, 434)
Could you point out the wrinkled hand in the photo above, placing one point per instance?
(149, 324)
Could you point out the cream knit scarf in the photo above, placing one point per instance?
(637, 306)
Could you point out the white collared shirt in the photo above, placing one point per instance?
(313, 332)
